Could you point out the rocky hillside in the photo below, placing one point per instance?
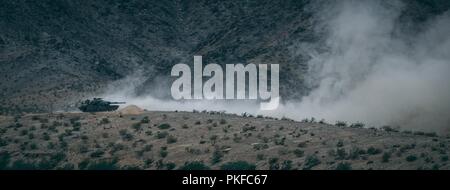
(136, 139)
(54, 52)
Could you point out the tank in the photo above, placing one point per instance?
(98, 105)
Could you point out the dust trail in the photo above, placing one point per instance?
(125, 90)
(375, 73)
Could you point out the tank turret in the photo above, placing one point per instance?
(98, 105)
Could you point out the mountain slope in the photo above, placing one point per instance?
(53, 53)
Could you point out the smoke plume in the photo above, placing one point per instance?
(376, 72)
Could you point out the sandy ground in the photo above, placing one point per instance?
(138, 139)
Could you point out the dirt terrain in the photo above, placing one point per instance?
(208, 140)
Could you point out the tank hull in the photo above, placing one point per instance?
(92, 108)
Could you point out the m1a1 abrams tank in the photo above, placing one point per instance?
(98, 105)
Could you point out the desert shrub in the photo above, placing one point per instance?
(171, 139)
(139, 153)
(46, 136)
(389, 129)
(35, 118)
(164, 126)
(33, 146)
(83, 149)
(213, 139)
(340, 143)
(66, 166)
(148, 163)
(411, 158)
(17, 125)
(74, 119)
(30, 136)
(83, 164)
(260, 146)
(322, 121)
(170, 166)
(76, 124)
(161, 135)
(23, 165)
(51, 145)
(310, 162)
(97, 154)
(385, 158)
(159, 164)
(46, 164)
(431, 134)
(163, 152)
(301, 145)
(149, 133)
(344, 166)
(273, 164)
(404, 148)
(373, 151)
(58, 157)
(341, 154)
(195, 165)
(145, 120)
(444, 158)
(341, 124)
(125, 135)
(357, 125)
(193, 151)
(43, 120)
(223, 121)
(248, 128)
(23, 132)
(148, 147)
(355, 152)
(299, 153)
(260, 157)
(3, 131)
(131, 167)
(136, 126)
(117, 147)
(84, 137)
(238, 165)
(407, 132)
(237, 139)
(102, 165)
(56, 124)
(63, 145)
(5, 158)
(435, 167)
(104, 121)
(286, 165)
(283, 151)
(3, 142)
(216, 157)
(280, 141)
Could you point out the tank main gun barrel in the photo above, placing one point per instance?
(118, 102)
